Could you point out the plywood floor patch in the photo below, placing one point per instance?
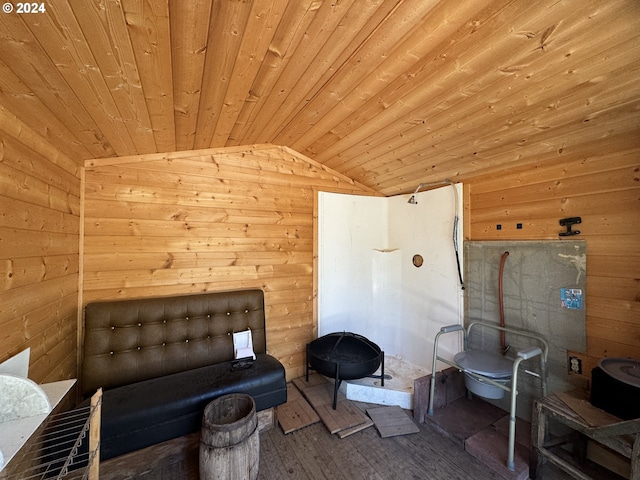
(391, 421)
(346, 418)
(355, 429)
(296, 413)
(591, 415)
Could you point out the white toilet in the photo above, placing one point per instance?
(491, 365)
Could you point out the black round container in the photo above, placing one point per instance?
(356, 356)
(615, 387)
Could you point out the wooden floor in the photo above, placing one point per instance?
(313, 453)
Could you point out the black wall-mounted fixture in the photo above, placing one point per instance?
(569, 222)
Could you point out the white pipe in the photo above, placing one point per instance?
(427, 185)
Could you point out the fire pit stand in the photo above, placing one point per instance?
(344, 356)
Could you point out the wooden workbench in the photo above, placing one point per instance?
(576, 412)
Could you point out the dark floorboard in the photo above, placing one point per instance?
(312, 453)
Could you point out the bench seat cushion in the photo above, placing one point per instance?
(151, 411)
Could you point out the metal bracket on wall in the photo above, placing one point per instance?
(569, 222)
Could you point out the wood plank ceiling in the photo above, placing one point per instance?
(388, 92)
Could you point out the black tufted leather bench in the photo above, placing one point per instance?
(161, 360)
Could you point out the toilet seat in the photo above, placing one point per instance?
(485, 363)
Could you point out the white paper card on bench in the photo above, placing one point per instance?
(245, 352)
(243, 344)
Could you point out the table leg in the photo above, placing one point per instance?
(538, 425)
(635, 459)
(580, 448)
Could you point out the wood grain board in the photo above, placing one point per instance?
(391, 421)
(591, 415)
(346, 419)
(319, 393)
(355, 429)
(296, 413)
(212, 219)
(387, 92)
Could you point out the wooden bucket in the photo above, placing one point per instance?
(229, 441)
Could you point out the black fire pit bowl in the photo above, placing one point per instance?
(344, 356)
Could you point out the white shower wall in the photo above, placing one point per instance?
(367, 283)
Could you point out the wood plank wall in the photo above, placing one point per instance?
(39, 243)
(604, 190)
(209, 220)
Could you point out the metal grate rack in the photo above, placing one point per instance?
(66, 447)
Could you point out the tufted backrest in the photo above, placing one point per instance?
(126, 341)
